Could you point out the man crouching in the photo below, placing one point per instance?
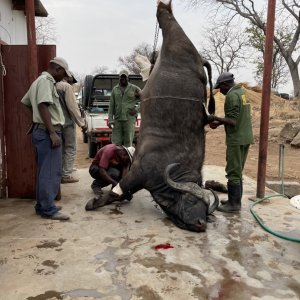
(111, 163)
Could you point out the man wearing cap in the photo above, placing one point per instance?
(48, 119)
(239, 136)
(111, 163)
(72, 117)
(122, 110)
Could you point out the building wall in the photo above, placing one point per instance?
(12, 24)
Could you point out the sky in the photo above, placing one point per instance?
(93, 33)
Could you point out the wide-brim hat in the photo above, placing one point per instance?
(130, 151)
(63, 63)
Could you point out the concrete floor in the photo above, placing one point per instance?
(110, 254)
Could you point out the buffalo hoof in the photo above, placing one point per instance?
(95, 203)
(216, 186)
(102, 200)
(90, 204)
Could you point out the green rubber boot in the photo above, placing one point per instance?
(234, 199)
(224, 201)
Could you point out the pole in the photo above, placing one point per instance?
(265, 106)
(31, 38)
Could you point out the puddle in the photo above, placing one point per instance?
(47, 295)
(51, 244)
(50, 263)
(84, 293)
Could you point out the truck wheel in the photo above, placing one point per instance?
(84, 137)
(87, 90)
(92, 148)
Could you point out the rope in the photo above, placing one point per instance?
(170, 97)
(2, 65)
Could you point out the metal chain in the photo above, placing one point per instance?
(155, 36)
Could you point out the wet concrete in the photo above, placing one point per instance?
(110, 253)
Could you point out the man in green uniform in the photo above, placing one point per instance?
(122, 111)
(239, 136)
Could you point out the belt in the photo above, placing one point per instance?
(57, 127)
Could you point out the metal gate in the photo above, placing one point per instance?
(17, 151)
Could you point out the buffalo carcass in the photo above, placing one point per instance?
(171, 146)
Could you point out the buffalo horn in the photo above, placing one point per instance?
(214, 206)
(189, 187)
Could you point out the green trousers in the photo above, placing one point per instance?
(123, 132)
(236, 156)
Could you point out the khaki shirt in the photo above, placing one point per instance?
(73, 112)
(43, 90)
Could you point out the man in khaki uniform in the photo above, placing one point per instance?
(72, 117)
(122, 111)
(48, 119)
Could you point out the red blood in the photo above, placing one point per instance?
(163, 246)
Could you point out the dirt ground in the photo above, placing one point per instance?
(280, 113)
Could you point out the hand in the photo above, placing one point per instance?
(211, 118)
(110, 125)
(55, 139)
(84, 128)
(214, 124)
(132, 112)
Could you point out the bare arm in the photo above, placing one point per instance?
(217, 121)
(105, 176)
(45, 115)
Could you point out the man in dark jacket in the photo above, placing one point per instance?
(239, 136)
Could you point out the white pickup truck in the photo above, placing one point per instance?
(94, 103)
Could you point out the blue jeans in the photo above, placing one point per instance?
(49, 161)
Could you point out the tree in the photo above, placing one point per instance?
(224, 47)
(45, 31)
(279, 68)
(100, 70)
(287, 10)
(80, 78)
(128, 61)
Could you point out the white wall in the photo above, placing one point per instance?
(12, 24)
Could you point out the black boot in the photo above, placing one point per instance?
(234, 199)
(224, 201)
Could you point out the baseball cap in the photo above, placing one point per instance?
(62, 62)
(224, 77)
(123, 72)
(130, 151)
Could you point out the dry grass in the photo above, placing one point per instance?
(281, 109)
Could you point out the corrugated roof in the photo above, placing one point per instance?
(40, 10)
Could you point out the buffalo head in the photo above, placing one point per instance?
(190, 206)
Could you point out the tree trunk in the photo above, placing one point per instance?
(295, 77)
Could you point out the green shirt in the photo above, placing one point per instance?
(120, 105)
(237, 107)
(43, 90)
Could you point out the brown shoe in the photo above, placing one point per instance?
(69, 179)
